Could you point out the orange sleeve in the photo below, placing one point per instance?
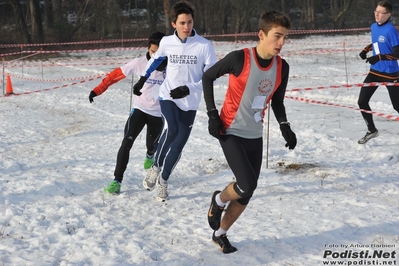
(113, 77)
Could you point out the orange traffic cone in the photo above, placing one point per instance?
(9, 86)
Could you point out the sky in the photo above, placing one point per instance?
(328, 201)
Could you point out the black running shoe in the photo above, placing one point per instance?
(215, 212)
(223, 243)
(369, 135)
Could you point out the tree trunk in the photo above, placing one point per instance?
(338, 11)
(199, 16)
(21, 18)
(152, 9)
(225, 9)
(36, 22)
(166, 9)
(57, 9)
(309, 13)
(242, 14)
(283, 8)
(48, 14)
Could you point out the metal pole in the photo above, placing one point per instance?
(41, 61)
(267, 137)
(4, 92)
(346, 65)
(131, 94)
(22, 65)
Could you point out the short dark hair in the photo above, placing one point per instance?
(181, 7)
(155, 38)
(271, 19)
(386, 5)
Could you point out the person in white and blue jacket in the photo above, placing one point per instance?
(384, 65)
(189, 56)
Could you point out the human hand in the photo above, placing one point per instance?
(215, 124)
(373, 59)
(139, 85)
(363, 54)
(91, 96)
(288, 135)
(179, 92)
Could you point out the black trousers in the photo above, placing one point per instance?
(244, 157)
(134, 125)
(366, 93)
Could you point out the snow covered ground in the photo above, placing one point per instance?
(58, 151)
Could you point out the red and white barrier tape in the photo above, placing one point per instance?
(48, 89)
(204, 35)
(372, 84)
(67, 64)
(54, 61)
(329, 76)
(306, 100)
(74, 43)
(74, 51)
(35, 52)
(291, 42)
(346, 42)
(317, 51)
(58, 80)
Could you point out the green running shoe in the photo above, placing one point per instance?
(113, 188)
(148, 162)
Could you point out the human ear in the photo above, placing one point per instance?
(261, 35)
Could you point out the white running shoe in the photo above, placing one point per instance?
(162, 192)
(368, 136)
(151, 178)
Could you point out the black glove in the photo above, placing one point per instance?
(215, 124)
(179, 92)
(288, 135)
(91, 96)
(139, 85)
(373, 59)
(363, 54)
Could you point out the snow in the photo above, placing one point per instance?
(58, 151)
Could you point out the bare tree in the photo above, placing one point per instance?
(199, 15)
(19, 13)
(166, 10)
(309, 13)
(338, 9)
(283, 7)
(57, 10)
(245, 16)
(94, 19)
(48, 15)
(36, 22)
(223, 13)
(152, 14)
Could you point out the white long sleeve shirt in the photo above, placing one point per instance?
(148, 102)
(187, 62)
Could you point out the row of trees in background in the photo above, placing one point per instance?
(40, 21)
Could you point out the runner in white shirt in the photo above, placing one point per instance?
(189, 56)
(145, 111)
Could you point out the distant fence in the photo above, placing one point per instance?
(50, 48)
